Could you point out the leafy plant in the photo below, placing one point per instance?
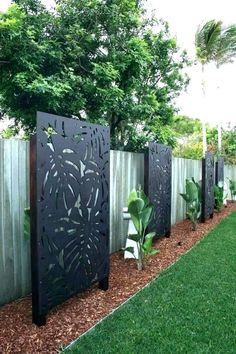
(215, 43)
(219, 196)
(193, 201)
(141, 214)
(104, 61)
(232, 187)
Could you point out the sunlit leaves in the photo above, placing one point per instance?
(103, 58)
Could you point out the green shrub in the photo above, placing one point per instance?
(192, 196)
(232, 187)
(141, 213)
(219, 196)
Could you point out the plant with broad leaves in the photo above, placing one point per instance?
(193, 201)
(219, 196)
(232, 188)
(141, 213)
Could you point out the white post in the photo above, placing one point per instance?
(204, 140)
(219, 138)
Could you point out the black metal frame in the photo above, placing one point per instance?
(219, 170)
(208, 199)
(69, 210)
(157, 185)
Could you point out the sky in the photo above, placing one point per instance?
(183, 17)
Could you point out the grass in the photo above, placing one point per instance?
(189, 308)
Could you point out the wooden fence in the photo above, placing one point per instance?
(127, 171)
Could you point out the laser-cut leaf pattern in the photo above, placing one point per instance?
(72, 206)
(158, 186)
(208, 186)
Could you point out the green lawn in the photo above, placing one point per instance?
(189, 308)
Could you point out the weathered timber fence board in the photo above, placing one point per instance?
(126, 172)
(14, 197)
(157, 186)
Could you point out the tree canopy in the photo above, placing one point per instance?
(189, 140)
(215, 42)
(100, 60)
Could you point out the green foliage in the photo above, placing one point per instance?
(184, 126)
(215, 43)
(188, 308)
(189, 140)
(232, 188)
(189, 134)
(141, 214)
(7, 133)
(219, 196)
(101, 61)
(190, 149)
(192, 196)
(228, 150)
(226, 50)
(207, 41)
(229, 146)
(12, 131)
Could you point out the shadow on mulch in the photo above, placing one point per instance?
(69, 320)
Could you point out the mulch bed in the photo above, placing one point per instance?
(69, 320)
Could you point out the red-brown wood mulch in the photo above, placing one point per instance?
(69, 320)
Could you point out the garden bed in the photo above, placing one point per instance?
(69, 320)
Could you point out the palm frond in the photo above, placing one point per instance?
(227, 46)
(207, 40)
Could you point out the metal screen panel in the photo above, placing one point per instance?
(158, 186)
(69, 208)
(208, 200)
(219, 170)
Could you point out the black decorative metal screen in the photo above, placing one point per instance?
(208, 200)
(158, 186)
(219, 170)
(70, 210)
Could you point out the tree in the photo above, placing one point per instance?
(184, 126)
(189, 140)
(206, 43)
(226, 52)
(100, 60)
(214, 43)
(229, 146)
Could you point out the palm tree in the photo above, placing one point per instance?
(225, 54)
(214, 43)
(206, 43)
(226, 50)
